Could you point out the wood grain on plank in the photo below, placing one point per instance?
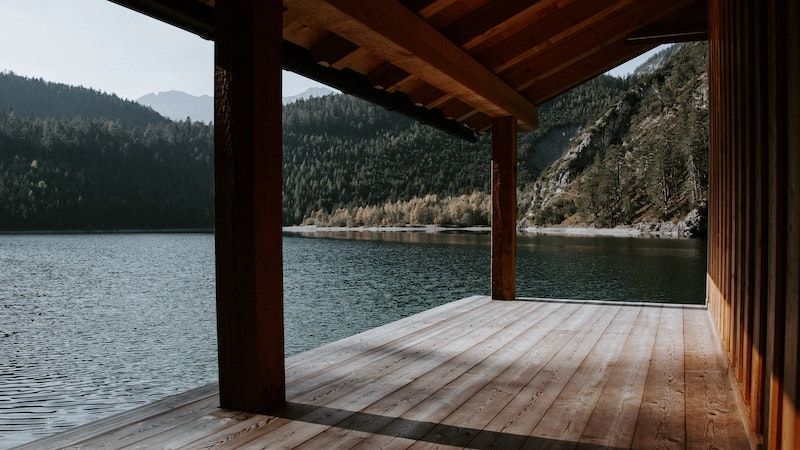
(338, 350)
(405, 404)
(711, 412)
(523, 413)
(509, 374)
(661, 422)
(154, 425)
(569, 414)
(344, 398)
(463, 424)
(388, 357)
(305, 380)
(613, 420)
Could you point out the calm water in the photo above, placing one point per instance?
(91, 325)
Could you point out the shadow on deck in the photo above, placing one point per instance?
(475, 373)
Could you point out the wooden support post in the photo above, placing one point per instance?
(247, 154)
(504, 208)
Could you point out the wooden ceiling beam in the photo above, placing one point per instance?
(427, 8)
(387, 76)
(557, 27)
(289, 16)
(482, 24)
(587, 42)
(471, 30)
(388, 29)
(669, 33)
(485, 23)
(457, 110)
(428, 96)
(584, 70)
(492, 19)
(455, 12)
(332, 49)
(684, 25)
(521, 22)
(479, 122)
(299, 60)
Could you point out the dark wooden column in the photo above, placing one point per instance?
(504, 208)
(247, 154)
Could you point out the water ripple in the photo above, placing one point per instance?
(92, 325)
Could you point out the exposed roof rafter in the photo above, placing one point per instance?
(198, 17)
(685, 25)
(388, 29)
(456, 64)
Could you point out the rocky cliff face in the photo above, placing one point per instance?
(642, 162)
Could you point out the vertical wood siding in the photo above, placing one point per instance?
(754, 210)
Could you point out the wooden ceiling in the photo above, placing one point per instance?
(472, 60)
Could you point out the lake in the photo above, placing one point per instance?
(91, 325)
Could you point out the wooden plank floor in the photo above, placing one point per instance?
(474, 373)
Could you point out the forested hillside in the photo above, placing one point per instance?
(643, 161)
(76, 158)
(343, 153)
(65, 174)
(32, 96)
(610, 152)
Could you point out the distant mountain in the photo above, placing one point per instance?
(308, 93)
(179, 105)
(36, 97)
(73, 158)
(613, 151)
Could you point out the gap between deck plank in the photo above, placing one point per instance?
(523, 413)
(613, 420)
(712, 417)
(356, 387)
(429, 388)
(462, 425)
(662, 416)
(567, 417)
(337, 351)
(367, 390)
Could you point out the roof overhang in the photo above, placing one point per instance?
(456, 65)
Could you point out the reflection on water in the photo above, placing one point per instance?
(408, 237)
(91, 325)
(600, 268)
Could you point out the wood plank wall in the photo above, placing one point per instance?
(754, 216)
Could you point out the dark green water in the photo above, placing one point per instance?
(91, 325)
(374, 278)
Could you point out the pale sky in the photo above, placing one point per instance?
(628, 67)
(98, 44)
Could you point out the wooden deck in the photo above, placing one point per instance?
(475, 373)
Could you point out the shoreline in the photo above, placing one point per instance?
(393, 229)
(548, 231)
(430, 229)
(598, 232)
